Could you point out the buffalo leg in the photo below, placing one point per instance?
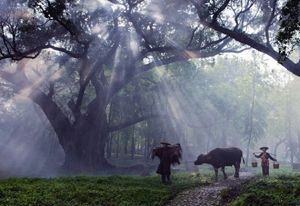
(168, 178)
(216, 173)
(237, 170)
(223, 170)
(163, 178)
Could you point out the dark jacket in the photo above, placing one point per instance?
(265, 158)
(164, 166)
(167, 156)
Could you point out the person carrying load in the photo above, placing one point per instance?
(265, 156)
(168, 154)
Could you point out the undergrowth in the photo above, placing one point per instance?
(100, 191)
(277, 190)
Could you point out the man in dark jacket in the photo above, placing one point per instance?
(265, 160)
(167, 154)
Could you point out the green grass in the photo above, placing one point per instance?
(277, 190)
(109, 190)
(284, 169)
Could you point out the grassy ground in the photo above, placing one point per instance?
(284, 169)
(282, 188)
(110, 190)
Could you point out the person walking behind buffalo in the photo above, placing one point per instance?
(168, 154)
(264, 155)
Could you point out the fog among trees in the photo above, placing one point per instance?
(93, 86)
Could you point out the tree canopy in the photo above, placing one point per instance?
(288, 35)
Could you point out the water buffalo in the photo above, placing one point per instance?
(221, 157)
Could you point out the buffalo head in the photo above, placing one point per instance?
(200, 160)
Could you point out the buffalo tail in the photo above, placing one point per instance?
(243, 159)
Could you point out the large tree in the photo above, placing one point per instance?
(100, 48)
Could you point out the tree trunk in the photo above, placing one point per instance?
(292, 155)
(85, 148)
(132, 143)
(118, 145)
(277, 145)
(224, 137)
(251, 113)
(145, 148)
(85, 152)
(126, 133)
(109, 147)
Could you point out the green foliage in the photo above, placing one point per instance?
(281, 190)
(288, 35)
(111, 190)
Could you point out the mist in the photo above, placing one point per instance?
(198, 107)
(29, 146)
(93, 87)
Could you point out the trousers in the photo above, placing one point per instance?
(265, 170)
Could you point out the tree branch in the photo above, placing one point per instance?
(22, 86)
(247, 8)
(34, 52)
(244, 39)
(272, 15)
(131, 122)
(138, 30)
(218, 12)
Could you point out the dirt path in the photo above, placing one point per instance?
(208, 195)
